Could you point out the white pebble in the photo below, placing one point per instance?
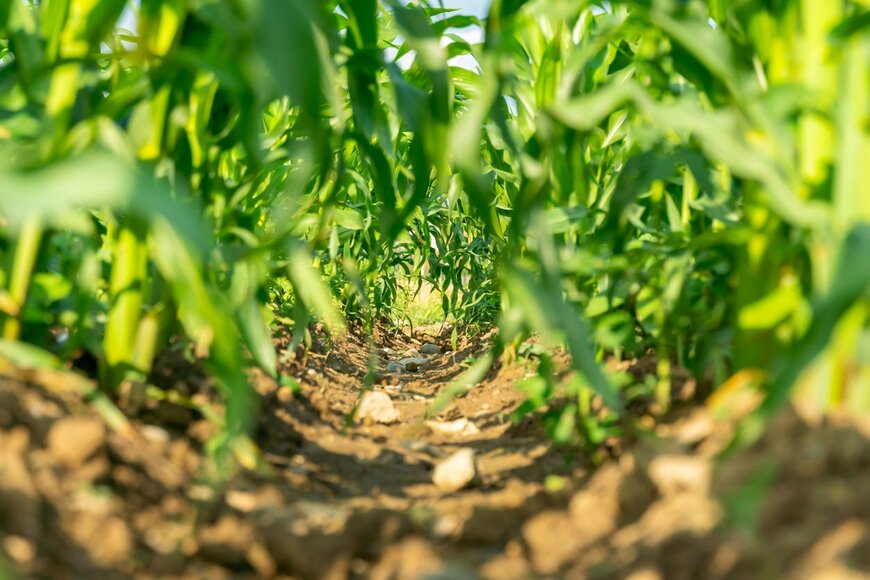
(455, 472)
(378, 407)
(459, 427)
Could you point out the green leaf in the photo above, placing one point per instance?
(772, 309)
(257, 337)
(849, 284)
(311, 289)
(94, 180)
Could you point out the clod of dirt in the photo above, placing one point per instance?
(673, 473)
(20, 550)
(108, 538)
(430, 348)
(595, 509)
(307, 540)
(414, 363)
(394, 367)
(697, 426)
(19, 499)
(227, 541)
(377, 407)
(251, 501)
(511, 565)
(551, 539)
(171, 414)
(459, 428)
(694, 513)
(73, 440)
(411, 558)
(455, 472)
(636, 491)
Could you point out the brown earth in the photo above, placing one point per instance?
(335, 498)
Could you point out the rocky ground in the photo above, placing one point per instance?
(395, 493)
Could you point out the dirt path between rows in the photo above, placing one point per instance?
(372, 467)
(340, 499)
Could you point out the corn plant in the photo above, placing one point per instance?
(625, 177)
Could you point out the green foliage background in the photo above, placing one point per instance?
(686, 177)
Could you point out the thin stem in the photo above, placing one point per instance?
(26, 252)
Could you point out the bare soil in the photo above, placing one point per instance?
(338, 498)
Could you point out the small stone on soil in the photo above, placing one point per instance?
(430, 348)
(414, 363)
(378, 407)
(459, 427)
(455, 472)
(395, 367)
(411, 353)
(446, 526)
(155, 434)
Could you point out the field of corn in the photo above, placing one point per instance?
(637, 233)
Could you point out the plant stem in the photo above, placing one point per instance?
(126, 294)
(26, 252)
